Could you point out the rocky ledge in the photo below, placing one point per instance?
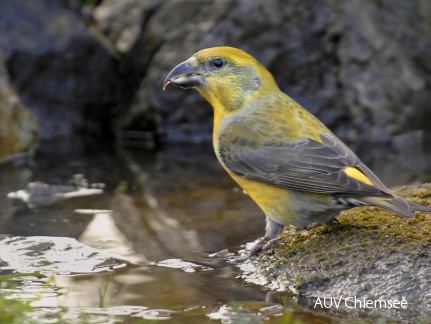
(371, 254)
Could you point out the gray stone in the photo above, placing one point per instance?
(362, 67)
(63, 70)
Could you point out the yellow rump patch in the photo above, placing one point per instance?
(356, 174)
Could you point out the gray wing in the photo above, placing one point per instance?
(305, 165)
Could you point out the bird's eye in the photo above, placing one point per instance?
(218, 63)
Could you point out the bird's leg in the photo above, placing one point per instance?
(272, 231)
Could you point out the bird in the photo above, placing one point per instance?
(295, 169)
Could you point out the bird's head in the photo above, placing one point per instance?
(227, 77)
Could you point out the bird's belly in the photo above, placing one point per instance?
(291, 207)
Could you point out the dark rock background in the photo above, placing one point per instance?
(91, 70)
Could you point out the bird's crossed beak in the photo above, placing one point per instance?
(186, 75)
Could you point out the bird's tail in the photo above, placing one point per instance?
(397, 205)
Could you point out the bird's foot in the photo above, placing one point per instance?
(333, 221)
(272, 244)
(262, 246)
(252, 253)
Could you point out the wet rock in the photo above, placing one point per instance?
(371, 254)
(38, 194)
(252, 312)
(59, 255)
(19, 129)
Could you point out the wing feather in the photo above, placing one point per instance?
(305, 165)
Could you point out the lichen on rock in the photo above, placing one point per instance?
(371, 253)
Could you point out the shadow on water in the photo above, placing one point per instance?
(167, 212)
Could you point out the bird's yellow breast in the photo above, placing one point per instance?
(284, 206)
(266, 196)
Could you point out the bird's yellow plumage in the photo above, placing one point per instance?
(289, 163)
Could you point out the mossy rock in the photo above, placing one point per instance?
(19, 129)
(371, 253)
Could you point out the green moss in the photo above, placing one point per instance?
(13, 311)
(367, 234)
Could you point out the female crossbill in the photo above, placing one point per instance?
(290, 164)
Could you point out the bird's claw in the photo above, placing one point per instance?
(261, 246)
(272, 244)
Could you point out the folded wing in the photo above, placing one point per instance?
(305, 165)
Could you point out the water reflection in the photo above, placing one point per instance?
(102, 232)
(167, 211)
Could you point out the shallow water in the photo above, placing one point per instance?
(171, 213)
